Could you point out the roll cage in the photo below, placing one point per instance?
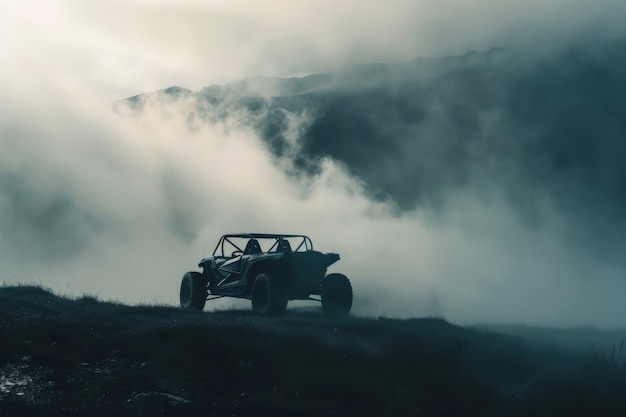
(255, 243)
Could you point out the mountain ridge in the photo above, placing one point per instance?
(257, 86)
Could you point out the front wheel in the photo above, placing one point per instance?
(336, 295)
(268, 297)
(193, 291)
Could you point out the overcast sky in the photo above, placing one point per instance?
(122, 47)
(94, 203)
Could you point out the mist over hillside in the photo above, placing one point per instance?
(543, 133)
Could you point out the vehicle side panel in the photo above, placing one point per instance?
(299, 273)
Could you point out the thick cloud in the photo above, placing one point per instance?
(94, 202)
(139, 196)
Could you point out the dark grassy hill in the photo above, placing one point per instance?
(64, 357)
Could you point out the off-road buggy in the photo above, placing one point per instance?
(269, 270)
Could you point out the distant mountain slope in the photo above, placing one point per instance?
(268, 87)
(63, 357)
(544, 130)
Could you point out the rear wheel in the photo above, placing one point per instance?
(268, 298)
(336, 295)
(193, 291)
